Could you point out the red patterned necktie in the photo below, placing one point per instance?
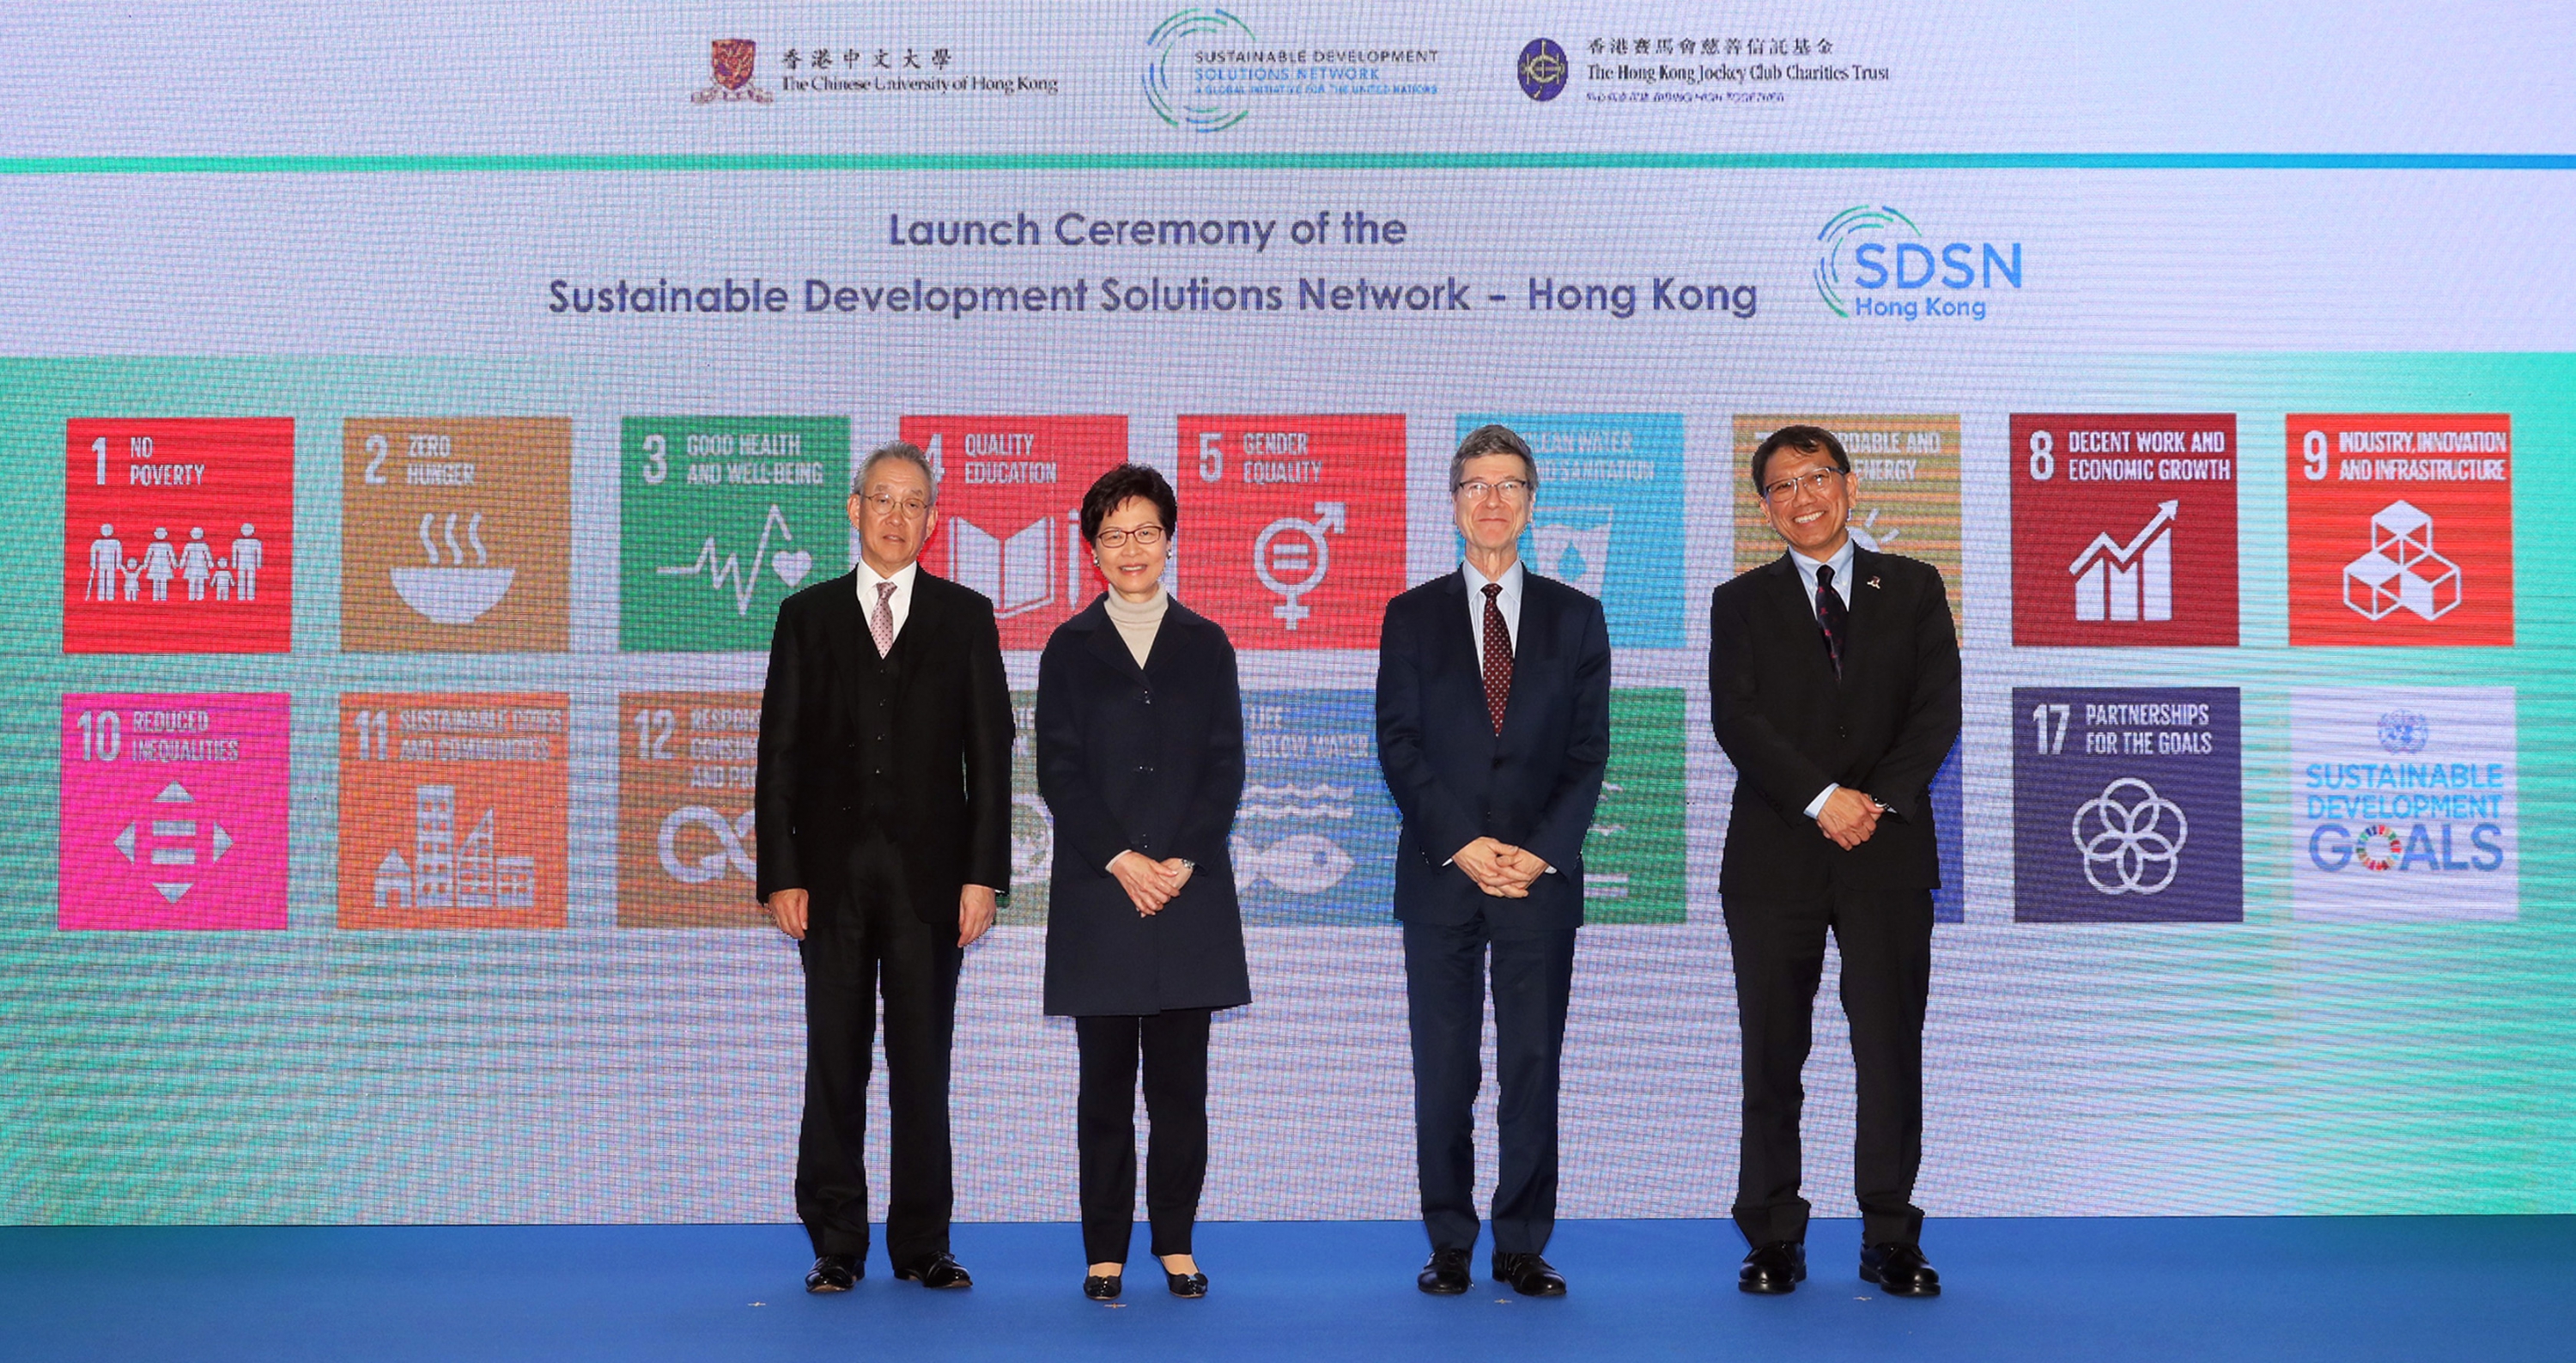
(881, 624)
(1498, 657)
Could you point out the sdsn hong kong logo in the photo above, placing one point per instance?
(1876, 263)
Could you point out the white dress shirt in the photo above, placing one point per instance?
(900, 604)
(1509, 603)
(1841, 563)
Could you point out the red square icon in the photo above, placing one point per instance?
(2124, 530)
(2401, 530)
(1010, 504)
(1292, 533)
(179, 535)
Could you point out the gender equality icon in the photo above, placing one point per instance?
(2124, 530)
(2128, 805)
(179, 535)
(721, 518)
(1296, 525)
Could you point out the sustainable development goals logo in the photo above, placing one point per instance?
(1876, 264)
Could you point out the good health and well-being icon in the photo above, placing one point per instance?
(720, 518)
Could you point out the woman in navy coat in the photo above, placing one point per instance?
(1140, 757)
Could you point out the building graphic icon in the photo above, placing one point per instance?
(444, 874)
(2401, 571)
(2128, 582)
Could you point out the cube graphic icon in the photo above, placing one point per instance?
(2401, 571)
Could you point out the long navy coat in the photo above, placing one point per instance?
(1146, 760)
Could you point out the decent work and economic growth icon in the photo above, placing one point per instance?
(2124, 530)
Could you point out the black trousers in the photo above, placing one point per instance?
(1886, 942)
(855, 948)
(1173, 1046)
(1444, 973)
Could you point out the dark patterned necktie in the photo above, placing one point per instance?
(1831, 615)
(1498, 657)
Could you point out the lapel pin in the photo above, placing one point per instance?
(1873, 584)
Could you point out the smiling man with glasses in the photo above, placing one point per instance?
(1833, 678)
(884, 836)
(1493, 728)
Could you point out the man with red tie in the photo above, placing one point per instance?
(1493, 728)
(1833, 679)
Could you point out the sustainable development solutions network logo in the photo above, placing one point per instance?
(1876, 264)
(1172, 87)
(1543, 69)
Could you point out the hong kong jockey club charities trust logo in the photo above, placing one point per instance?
(732, 60)
(1542, 69)
(1874, 264)
(1172, 84)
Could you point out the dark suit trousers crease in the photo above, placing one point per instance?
(1885, 937)
(1173, 1046)
(1533, 974)
(869, 943)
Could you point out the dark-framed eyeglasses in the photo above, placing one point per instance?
(1145, 536)
(1815, 481)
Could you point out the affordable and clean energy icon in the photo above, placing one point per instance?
(448, 592)
(172, 842)
(2132, 581)
(1291, 557)
(2401, 571)
(446, 874)
(2131, 838)
(726, 573)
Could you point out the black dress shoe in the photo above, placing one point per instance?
(1773, 1269)
(1528, 1274)
(1100, 1288)
(834, 1273)
(1899, 1270)
(1191, 1284)
(1446, 1274)
(939, 1270)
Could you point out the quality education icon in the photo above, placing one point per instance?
(1010, 511)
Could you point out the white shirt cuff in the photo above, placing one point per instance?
(1816, 806)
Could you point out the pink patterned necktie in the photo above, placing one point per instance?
(881, 624)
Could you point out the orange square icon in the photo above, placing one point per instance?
(452, 810)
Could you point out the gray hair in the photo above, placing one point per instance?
(1491, 438)
(897, 449)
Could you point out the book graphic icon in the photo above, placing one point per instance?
(1016, 572)
(2132, 581)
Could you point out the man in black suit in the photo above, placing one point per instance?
(1493, 727)
(884, 806)
(1833, 679)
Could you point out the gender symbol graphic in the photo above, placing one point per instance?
(1297, 566)
(2132, 836)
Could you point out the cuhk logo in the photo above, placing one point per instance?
(1875, 263)
(732, 60)
(1542, 69)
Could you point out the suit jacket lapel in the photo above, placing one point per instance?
(845, 630)
(1110, 647)
(1799, 616)
(1535, 643)
(1859, 628)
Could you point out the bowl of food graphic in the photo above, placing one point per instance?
(453, 596)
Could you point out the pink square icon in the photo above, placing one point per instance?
(174, 812)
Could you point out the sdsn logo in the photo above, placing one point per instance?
(1876, 263)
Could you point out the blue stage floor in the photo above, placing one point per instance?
(2466, 1288)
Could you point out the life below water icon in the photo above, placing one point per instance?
(448, 592)
(1291, 557)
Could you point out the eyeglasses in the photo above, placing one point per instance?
(1146, 537)
(1815, 482)
(910, 508)
(1510, 489)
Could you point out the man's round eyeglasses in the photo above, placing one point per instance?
(1146, 536)
(1786, 488)
(1476, 490)
(910, 508)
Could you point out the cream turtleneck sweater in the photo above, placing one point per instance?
(1137, 623)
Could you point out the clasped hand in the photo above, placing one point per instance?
(1149, 884)
(1500, 869)
(1848, 818)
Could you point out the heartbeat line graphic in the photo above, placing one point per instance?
(790, 567)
